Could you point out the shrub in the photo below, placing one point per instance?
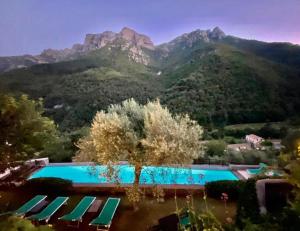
(232, 140)
(17, 223)
(216, 188)
(251, 156)
(215, 148)
(244, 192)
(267, 143)
(48, 185)
(240, 133)
(268, 131)
(247, 207)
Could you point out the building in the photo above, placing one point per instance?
(276, 144)
(254, 140)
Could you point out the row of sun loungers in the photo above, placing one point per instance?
(103, 221)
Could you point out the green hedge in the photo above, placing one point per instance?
(245, 194)
(247, 207)
(215, 189)
(48, 185)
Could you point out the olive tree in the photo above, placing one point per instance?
(142, 135)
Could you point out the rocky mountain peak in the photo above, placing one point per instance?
(217, 33)
(128, 33)
(136, 39)
(127, 40)
(194, 37)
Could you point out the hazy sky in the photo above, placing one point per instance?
(29, 26)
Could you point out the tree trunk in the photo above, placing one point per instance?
(137, 174)
(136, 188)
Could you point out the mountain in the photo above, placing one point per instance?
(92, 42)
(216, 78)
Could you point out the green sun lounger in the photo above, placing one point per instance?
(185, 221)
(106, 215)
(256, 171)
(29, 205)
(79, 210)
(47, 212)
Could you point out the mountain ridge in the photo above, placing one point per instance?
(92, 42)
(137, 42)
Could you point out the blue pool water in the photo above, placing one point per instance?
(125, 174)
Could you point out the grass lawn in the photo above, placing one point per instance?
(126, 218)
(255, 126)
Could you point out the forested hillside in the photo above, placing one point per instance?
(217, 79)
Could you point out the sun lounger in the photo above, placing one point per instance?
(78, 212)
(29, 205)
(47, 212)
(184, 222)
(256, 171)
(103, 221)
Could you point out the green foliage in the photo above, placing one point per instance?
(248, 207)
(251, 156)
(266, 226)
(266, 130)
(142, 135)
(289, 216)
(212, 90)
(203, 221)
(49, 185)
(231, 188)
(294, 179)
(281, 53)
(232, 140)
(215, 148)
(24, 131)
(83, 87)
(291, 143)
(20, 224)
(269, 156)
(193, 220)
(267, 143)
(64, 149)
(215, 83)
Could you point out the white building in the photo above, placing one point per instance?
(254, 140)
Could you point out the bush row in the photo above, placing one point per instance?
(48, 185)
(215, 189)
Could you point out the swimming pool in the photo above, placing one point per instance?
(85, 174)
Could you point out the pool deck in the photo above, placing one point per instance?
(121, 187)
(194, 166)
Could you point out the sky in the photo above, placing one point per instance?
(30, 26)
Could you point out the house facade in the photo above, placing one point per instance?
(254, 140)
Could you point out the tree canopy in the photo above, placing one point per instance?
(24, 131)
(142, 135)
(290, 157)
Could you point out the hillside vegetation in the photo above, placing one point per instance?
(218, 82)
